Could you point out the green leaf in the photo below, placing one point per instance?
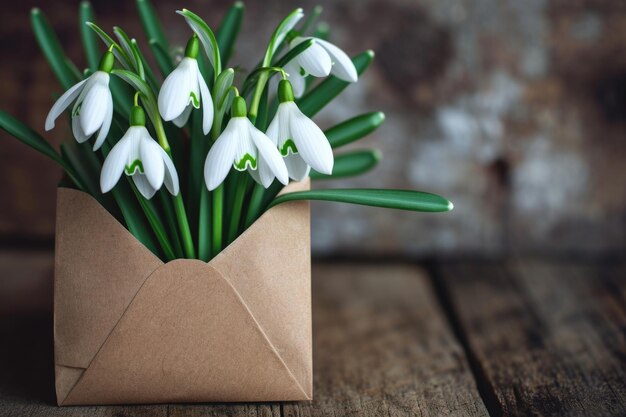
(157, 225)
(71, 154)
(354, 129)
(117, 50)
(90, 41)
(146, 66)
(162, 58)
(223, 82)
(151, 24)
(229, 29)
(327, 90)
(206, 36)
(51, 48)
(395, 199)
(170, 219)
(133, 53)
(28, 136)
(351, 164)
(279, 35)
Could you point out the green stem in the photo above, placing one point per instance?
(209, 223)
(235, 215)
(156, 224)
(169, 215)
(179, 205)
(218, 206)
(256, 202)
(258, 94)
(204, 225)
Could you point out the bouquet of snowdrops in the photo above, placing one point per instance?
(223, 141)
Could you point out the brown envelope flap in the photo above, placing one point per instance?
(278, 270)
(187, 336)
(102, 267)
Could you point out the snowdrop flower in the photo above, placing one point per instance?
(93, 107)
(184, 89)
(319, 60)
(299, 139)
(244, 147)
(140, 157)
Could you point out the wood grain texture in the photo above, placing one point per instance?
(548, 338)
(381, 347)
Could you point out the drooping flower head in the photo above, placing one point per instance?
(184, 89)
(319, 60)
(243, 146)
(139, 156)
(300, 141)
(93, 107)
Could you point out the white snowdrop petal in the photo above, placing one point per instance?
(266, 175)
(272, 130)
(77, 131)
(152, 161)
(63, 103)
(315, 61)
(311, 142)
(246, 148)
(143, 185)
(93, 107)
(174, 93)
(297, 168)
(221, 156)
(270, 155)
(207, 105)
(106, 123)
(171, 175)
(254, 173)
(181, 120)
(114, 164)
(343, 67)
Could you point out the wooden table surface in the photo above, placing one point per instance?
(531, 337)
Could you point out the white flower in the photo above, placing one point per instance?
(141, 157)
(182, 90)
(319, 60)
(93, 109)
(243, 146)
(299, 139)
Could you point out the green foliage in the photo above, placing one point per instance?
(164, 224)
(395, 199)
(351, 164)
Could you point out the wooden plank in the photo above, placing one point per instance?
(381, 347)
(547, 337)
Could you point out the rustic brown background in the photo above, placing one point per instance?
(515, 110)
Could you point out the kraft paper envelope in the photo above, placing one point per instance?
(130, 329)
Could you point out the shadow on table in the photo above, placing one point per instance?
(26, 358)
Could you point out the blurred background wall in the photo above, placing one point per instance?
(515, 110)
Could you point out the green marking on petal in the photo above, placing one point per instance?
(76, 111)
(134, 167)
(244, 162)
(289, 144)
(194, 100)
